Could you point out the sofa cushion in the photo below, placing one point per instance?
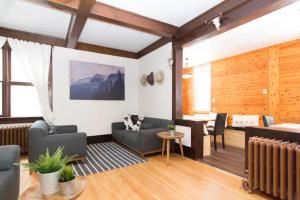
(147, 125)
(133, 122)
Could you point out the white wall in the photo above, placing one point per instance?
(156, 101)
(93, 117)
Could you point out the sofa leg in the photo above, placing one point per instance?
(142, 156)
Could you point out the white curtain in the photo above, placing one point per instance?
(2, 41)
(35, 60)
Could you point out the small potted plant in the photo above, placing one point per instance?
(47, 167)
(171, 128)
(67, 180)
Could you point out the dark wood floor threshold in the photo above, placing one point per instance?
(230, 159)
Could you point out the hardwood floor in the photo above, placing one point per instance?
(230, 159)
(181, 179)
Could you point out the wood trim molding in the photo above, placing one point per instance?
(159, 43)
(6, 89)
(12, 120)
(76, 25)
(53, 41)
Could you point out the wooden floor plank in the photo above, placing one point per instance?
(154, 180)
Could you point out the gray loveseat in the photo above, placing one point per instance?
(144, 141)
(41, 136)
(9, 173)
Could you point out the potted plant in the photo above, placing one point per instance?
(67, 180)
(47, 167)
(171, 128)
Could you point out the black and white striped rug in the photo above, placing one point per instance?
(103, 157)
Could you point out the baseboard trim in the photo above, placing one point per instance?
(99, 139)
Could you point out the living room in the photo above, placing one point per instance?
(100, 99)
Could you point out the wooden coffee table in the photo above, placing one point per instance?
(167, 138)
(34, 192)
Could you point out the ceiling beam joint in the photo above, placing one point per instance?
(78, 22)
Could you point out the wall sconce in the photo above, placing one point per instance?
(171, 60)
(186, 75)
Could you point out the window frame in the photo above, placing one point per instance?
(7, 83)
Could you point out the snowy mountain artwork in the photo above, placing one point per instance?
(92, 81)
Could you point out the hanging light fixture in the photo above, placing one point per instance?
(186, 75)
(171, 60)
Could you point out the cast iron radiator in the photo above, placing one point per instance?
(15, 134)
(274, 168)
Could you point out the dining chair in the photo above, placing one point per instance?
(218, 128)
(268, 120)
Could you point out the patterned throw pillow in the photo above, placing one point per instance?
(133, 122)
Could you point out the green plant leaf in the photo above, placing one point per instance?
(47, 163)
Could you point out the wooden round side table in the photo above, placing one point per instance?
(167, 137)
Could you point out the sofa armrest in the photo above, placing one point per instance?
(66, 129)
(118, 126)
(10, 154)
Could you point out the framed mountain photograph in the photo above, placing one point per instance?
(92, 81)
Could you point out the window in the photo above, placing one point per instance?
(19, 98)
(202, 88)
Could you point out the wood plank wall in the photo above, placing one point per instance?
(188, 93)
(289, 82)
(238, 83)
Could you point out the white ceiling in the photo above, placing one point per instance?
(113, 36)
(175, 12)
(25, 16)
(274, 28)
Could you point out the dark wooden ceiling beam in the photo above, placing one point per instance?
(53, 41)
(246, 12)
(113, 15)
(223, 7)
(132, 20)
(157, 44)
(77, 24)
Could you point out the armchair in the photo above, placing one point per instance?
(41, 136)
(9, 173)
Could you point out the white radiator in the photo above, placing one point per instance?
(245, 120)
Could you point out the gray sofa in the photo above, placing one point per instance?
(41, 136)
(144, 141)
(9, 173)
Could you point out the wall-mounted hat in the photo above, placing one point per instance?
(150, 78)
(143, 80)
(160, 77)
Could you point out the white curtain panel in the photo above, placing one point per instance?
(2, 41)
(35, 59)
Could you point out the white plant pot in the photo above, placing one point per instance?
(49, 183)
(67, 188)
(172, 132)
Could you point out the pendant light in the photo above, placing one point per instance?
(186, 75)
